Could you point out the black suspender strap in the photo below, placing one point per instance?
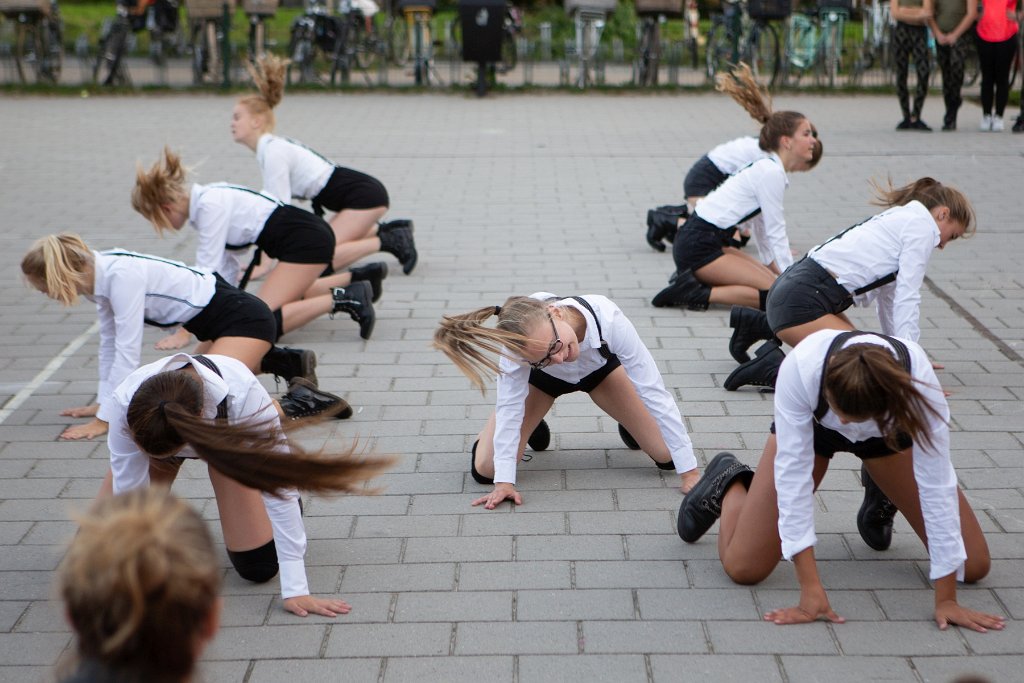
(604, 351)
(222, 407)
(902, 355)
(880, 282)
(257, 256)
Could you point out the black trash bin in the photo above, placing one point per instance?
(482, 23)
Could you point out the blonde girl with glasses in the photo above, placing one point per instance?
(547, 346)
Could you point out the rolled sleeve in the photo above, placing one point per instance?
(290, 541)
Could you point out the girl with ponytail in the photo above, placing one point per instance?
(214, 409)
(545, 346)
(292, 170)
(144, 607)
(878, 398)
(708, 268)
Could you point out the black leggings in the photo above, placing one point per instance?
(995, 60)
(911, 40)
(951, 62)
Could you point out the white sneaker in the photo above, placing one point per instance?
(986, 122)
(997, 123)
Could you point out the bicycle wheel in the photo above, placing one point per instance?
(365, 45)
(761, 52)
(52, 47)
(26, 50)
(509, 53)
(718, 51)
(108, 69)
(397, 33)
(647, 53)
(300, 69)
(827, 58)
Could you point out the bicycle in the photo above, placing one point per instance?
(876, 42)
(257, 12)
(816, 43)
(417, 19)
(38, 41)
(746, 36)
(652, 14)
(206, 23)
(159, 17)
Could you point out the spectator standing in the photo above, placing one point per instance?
(950, 25)
(910, 40)
(997, 42)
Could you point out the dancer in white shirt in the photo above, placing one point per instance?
(213, 408)
(292, 170)
(708, 268)
(873, 396)
(132, 290)
(550, 346)
(229, 219)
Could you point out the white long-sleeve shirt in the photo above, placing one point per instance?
(224, 215)
(246, 400)
(899, 240)
(131, 290)
(796, 398)
(731, 156)
(624, 342)
(290, 169)
(759, 186)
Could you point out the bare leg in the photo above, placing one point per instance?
(537, 406)
(356, 224)
(796, 334)
(288, 282)
(894, 474)
(324, 285)
(735, 279)
(617, 396)
(299, 313)
(243, 516)
(246, 349)
(347, 253)
(748, 537)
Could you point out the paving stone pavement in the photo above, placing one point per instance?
(587, 580)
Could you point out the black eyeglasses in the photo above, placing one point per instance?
(555, 347)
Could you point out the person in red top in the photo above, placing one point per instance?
(997, 42)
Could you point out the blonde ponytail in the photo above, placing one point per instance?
(162, 184)
(62, 263)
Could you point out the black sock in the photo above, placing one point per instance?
(762, 299)
(279, 319)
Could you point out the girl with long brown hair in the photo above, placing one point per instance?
(213, 408)
(132, 290)
(292, 170)
(708, 268)
(878, 398)
(144, 606)
(547, 346)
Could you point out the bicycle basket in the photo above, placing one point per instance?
(846, 5)
(769, 9)
(208, 9)
(19, 6)
(265, 8)
(666, 7)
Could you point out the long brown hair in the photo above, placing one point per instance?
(931, 193)
(744, 89)
(63, 263)
(163, 183)
(469, 343)
(139, 581)
(165, 414)
(269, 75)
(866, 382)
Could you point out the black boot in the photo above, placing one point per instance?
(397, 223)
(290, 363)
(874, 519)
(373, 273)
(749, 325)
(677, 212)
(305, 400)
(662, 225)
(399, 243)
(628, 439)
(540, 439)
(759, 372)
(655, 234)
(684, 290)
(703, 504)
(355, 300)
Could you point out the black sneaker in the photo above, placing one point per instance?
(541, 437)
(874, 519)
(684, 290)
(288, 364)
(355, 300)
(749, 325)
(703, 504)
(305, 400)
(905, 124)
(399, 243)
(373, 273)
(921, 126)
(628, 439)
(762, 371)
(1018, 127)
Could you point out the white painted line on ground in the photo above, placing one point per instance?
(51, 367)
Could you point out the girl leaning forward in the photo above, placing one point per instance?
(549, 346)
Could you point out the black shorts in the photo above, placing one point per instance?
(554, 387)
(828, 442)
(348, 189)
(698, 243)
(292, 235)
(703, 177)
(804, 293)
(233, 313)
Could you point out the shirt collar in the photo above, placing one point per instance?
(215, 389)
(193, 203)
